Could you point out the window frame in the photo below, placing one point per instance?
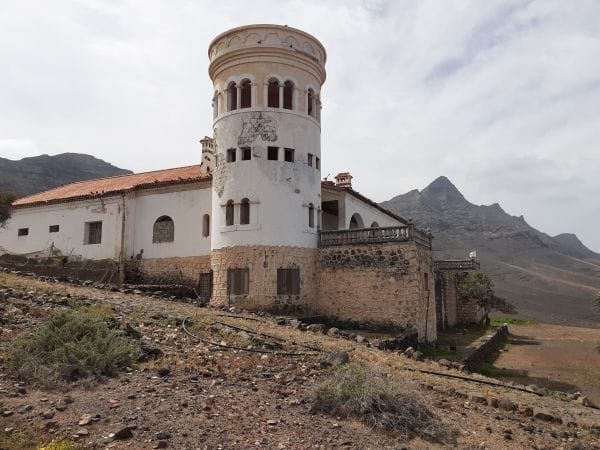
(89, 233)
(231, 155)
(289, 151)
(23, 232)
(229, 213)
(169, 239)
(246, 153)
(270, 151)
(53, 228)
(317, 163)
(245, 212)
(288, 281)
(238, 281)
(309, 159)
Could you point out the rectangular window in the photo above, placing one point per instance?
(53, 229)
(23, 232)
(426, 280)
(289, 154)
(317, 164)
(246, 154)
(288, 281)
(310, 159)
(93, 233)
(205, 285)
(238, 281)
(273, 153)
(231, 155)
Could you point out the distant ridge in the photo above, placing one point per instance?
(39, 173)
(549, 278)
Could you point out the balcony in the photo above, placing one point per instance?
(405, 233)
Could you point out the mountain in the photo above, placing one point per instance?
(552, 279)
(39, 173)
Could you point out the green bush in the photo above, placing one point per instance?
(355, 391)
(478, 286)
(503, 305)
(70, 346)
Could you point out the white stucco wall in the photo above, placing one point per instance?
(71, 218)
(185, 205)
(279, 191)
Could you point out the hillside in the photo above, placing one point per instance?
(549, 278)
(39, 173)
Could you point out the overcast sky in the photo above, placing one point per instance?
(502, 97)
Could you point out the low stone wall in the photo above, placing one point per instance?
(104, 271)
(486, 346)
(176, 270)
(389, 283)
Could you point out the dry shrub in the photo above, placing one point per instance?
(68, 347)
(354, 390)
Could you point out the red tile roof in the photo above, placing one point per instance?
(103, 187)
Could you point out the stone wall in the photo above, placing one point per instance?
(486, 347)
(262, 263)
(453, 309)
(176, 270)
(390, 283)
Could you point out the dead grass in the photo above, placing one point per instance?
(68, 347)
(354, 390)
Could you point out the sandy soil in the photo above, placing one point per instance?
(554, 356)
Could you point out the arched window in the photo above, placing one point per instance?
(246, 94)
(205, 225)
(273, 93)
(310, 102)
(215, 104)
(356, 221)
(245, 212)
(231, 97)
(374, 225)
(163, 230)
(311, 215)
(288, 95)
(229, 213)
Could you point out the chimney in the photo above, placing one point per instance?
(208, 153)
(344, 180)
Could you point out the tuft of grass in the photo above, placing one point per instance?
(501, 320)
(68, 347)
(354, 390)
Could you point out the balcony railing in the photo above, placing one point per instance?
(404, 233)
(457, 264)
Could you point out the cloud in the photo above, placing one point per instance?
(501, 97)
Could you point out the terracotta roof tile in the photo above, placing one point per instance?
(103, 187)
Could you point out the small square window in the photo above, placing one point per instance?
(246, 153)
(310, 159)
(93, 233)
(317, 164)
(23, 232)
(53, 229)
(273, 153)
(231, 155)
(289, 154)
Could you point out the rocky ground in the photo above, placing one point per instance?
(193, 394)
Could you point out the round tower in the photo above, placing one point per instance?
(266, 170)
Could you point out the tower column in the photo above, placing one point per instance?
(281, 96)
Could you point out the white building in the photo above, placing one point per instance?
(250, 222)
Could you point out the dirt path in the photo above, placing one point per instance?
(554, 356)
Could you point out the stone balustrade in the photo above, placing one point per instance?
(403, 233)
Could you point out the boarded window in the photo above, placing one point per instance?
(288, 95)
(205, 285)
(289, 154)
(245, 212)
(273, 94)
(238, 281)
(53, 229)
(23, 232)
(163, 230)
(273, 153)
(231, 155)
(246, 94)
(229, 213)
(246, 153)
(288, 281)
(93, 233)
(310, 160)
(205, 225)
